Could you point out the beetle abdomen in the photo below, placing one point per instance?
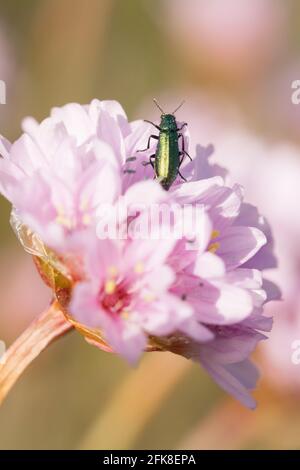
(167, 158)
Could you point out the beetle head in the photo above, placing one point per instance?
(168, 122)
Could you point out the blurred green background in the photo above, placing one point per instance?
(56, 51)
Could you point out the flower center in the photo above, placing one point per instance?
(214, 245)
(115, 298)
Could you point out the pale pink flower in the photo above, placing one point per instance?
(137, 293)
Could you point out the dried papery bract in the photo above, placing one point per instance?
(55, 273)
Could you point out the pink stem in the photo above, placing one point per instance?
(47, 327)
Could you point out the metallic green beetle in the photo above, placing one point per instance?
(167, 159)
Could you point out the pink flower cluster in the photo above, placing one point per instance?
(205, 304)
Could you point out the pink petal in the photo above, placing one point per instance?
(231, 380)
(159, 279)
(196, 190)
(75, 120)
(5, 147)
(84, 306)
(221, 304)
(103, 256)
(209, 265)
(125, 337)
(196, 331)
(239, 244)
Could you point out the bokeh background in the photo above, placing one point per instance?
(233, 61)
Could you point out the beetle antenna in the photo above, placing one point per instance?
(178, 107)
(158, 105)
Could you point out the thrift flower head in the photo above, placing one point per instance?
(199, 295)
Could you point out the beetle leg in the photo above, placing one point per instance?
(182, 155)
(148, 144)
(150, 162)
(150, 122)
(183, 125)
(181, 176)
(184, 152)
